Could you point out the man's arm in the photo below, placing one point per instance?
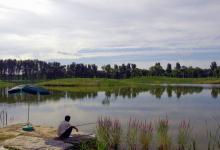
(75, 128)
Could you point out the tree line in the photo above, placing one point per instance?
(12, 69)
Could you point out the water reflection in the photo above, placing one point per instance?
(194, 103)
(215, 92)
(3, 118)
(110, 95)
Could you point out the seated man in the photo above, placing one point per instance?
(65, 128)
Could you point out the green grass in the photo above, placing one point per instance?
(89, 82)
(167, 80)
(5, 84)
(102, 82)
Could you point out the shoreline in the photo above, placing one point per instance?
(44, 137)
(103, 82)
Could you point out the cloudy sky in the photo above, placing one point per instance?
(111, 31)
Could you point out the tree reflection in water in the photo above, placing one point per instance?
(215, 92)
(110, 95)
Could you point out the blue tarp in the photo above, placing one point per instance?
(31, 89)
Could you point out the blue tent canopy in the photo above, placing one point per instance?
(31, 89)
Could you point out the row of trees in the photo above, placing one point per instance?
(130, 70)
(12, 69)
(185, 72)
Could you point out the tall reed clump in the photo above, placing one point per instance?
(115, 134)
(132, 134)
(103, 130)
(145, 135)
(184, 139)
(108, 133)
(214, 139)
(163, 139)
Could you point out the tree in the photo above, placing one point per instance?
(178, 66)
(218, 71)
(94, 70)
(134, 70)
(184, 71)
(12, 69)
(169, 69)
(128, 70)
(213, 68)
(107, 69)
(122, 71)
(156, 70)
(116, 71)
(71, 70)
(177, 71)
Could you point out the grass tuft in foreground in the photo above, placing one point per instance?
(108, 133)
(184, 139)
(132, 134)
(163, 139)
(140, 136)
(146, 135)
(213, 137)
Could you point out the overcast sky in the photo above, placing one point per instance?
(111, 31)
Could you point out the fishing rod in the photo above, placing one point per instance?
(85, 124)
(84, 135)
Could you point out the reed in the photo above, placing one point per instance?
(184, 138)
(115, 134)
(103, 130)
(145, 135)
(108, 133)
(140, 136)
(213, 139)
(163, 139)
(132, 134)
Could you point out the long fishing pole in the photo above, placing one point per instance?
(85, 124)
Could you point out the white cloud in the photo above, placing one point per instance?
(42, 28)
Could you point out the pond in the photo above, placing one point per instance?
(198, 103)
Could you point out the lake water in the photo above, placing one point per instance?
(198, 103)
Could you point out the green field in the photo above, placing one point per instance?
(107, 83)
(5, 84)
(77, 82)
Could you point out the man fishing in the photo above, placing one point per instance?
(65, 128)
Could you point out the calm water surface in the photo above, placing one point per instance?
(197, 103)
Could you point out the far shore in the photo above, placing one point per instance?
(104, 82)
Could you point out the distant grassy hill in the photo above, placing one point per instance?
(77, 82)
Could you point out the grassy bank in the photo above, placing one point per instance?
(106, 83)
(91, 82)
(5, 84)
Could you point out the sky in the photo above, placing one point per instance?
(111, 31)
